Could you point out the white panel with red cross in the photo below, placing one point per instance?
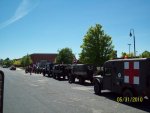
(131, 72)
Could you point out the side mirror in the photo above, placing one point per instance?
(1, 91)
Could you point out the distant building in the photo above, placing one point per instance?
(38, 57)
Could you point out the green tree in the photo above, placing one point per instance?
(145, 54)
(1, 61)
(65, 56)
(17, 63)
(113, 54)
(7, 62)
(124, 54)
(26, 60)
(97, 46)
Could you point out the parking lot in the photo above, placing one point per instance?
(25, 93)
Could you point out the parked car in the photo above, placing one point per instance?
(5, 66)
(12, 68)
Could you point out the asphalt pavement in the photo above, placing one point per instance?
(25, 93)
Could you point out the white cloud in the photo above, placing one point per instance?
(23, 9)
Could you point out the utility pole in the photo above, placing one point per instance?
(132, 34)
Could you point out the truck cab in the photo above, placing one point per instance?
(129, 77)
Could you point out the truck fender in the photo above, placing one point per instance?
(132, 90)
(97, 80)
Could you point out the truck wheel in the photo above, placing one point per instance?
(64, 77)
(81, 80)
(97, 88)
(54, 76)
(71, 79)
(91, 80)
(58, 77)
(127, 93)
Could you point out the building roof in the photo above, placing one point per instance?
(37, 57)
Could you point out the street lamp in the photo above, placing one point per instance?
(129, 48)
(132, 34)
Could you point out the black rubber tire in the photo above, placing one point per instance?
(48, 74)
(127, 93)
(64, 77)
(81, 80)
(97, 88)
(54, 76)
(91, 80)
(58, 77)
(71, 79)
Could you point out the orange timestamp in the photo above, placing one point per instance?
(130, 99)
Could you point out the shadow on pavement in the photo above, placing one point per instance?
(85, 83)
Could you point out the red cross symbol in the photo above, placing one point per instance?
(131, 71)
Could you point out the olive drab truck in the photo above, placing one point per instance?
(129, 77)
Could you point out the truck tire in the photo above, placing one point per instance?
(97, 88)
(54, 76)
(64, 77)
(127, 93)
(58, 77)
(71, 79)
(91, 80)
(81, 80)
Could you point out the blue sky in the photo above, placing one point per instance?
(45, 26)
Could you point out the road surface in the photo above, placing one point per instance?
(25, 93)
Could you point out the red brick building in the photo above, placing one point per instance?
(37, 57)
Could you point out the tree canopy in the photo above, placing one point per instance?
(17, 63)
(26, 60)
(97, 46)
(65, 56)
(7, 62)
(124, 54)
(145, 54)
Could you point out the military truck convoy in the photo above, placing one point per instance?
(128, 77)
